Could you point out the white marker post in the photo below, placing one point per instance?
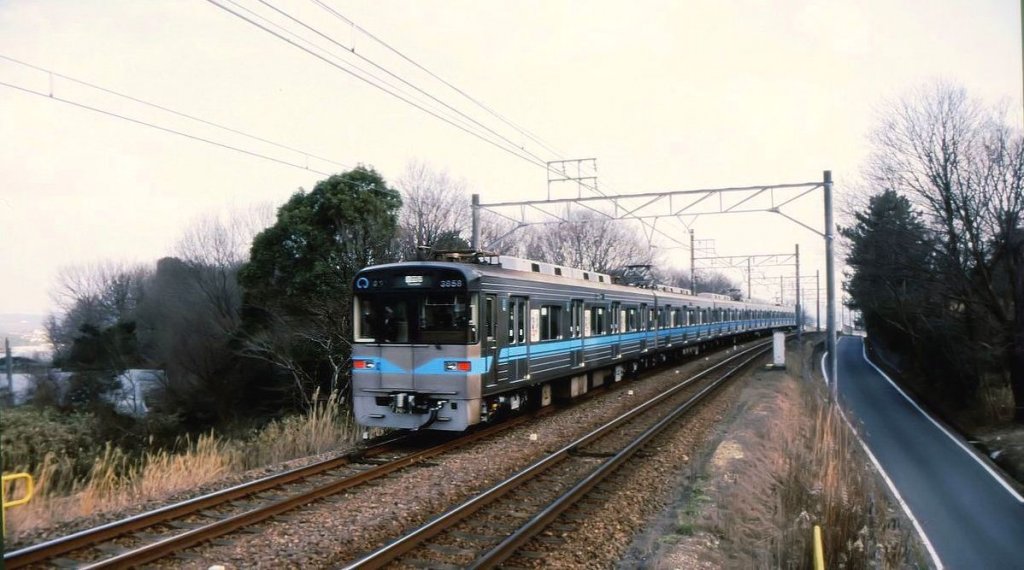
(779, 350)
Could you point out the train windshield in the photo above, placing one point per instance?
(422, 317)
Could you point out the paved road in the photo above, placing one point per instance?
(970, 518)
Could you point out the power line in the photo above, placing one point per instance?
(378, 86)
(394, 50)
(515, 151)
(396, 76)
(158, 127)
(310, 45)
(172, 111)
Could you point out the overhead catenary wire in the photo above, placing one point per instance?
(399, 78)
(309, 48)
(653, 229)
(321, 52)
(455, 88)
(333, 59)
(512, 151)
(160, 128)
(172, 111)
(419, 66)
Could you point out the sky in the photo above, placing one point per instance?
(666, 95)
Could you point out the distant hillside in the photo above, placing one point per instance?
(22, 328)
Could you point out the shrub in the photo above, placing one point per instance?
(33, 437)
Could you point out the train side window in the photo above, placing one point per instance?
(598, 318)
(631, 319)
(550, 322)
(517, 319)
(615, 318)
(490, 317)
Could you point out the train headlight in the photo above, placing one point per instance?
(364, 364)
(458, 366)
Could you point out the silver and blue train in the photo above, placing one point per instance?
(449, 344)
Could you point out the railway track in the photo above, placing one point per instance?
(157, 534)
(182, 525)
(490, 527)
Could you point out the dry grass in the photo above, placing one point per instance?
(118, 480)
(832, 484)
(790, 462)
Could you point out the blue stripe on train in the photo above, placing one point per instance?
(483, 364)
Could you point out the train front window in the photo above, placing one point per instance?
(423, 317)
(366, 321)
(446, 318)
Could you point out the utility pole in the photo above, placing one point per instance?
(693, 267)
(799, 301)
(830, 280)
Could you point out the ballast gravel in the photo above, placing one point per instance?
(337, 531)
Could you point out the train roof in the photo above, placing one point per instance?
(525, 269)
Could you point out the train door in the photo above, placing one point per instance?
(616, 328)
(644, 324)
(489, 342)
(518, 349)
(576, 332)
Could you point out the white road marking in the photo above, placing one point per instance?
(885, 476)
(948, 433)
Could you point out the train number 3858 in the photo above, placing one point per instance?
(452, 283)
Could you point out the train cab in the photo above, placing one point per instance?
(416, 357)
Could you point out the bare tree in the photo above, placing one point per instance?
(501, 234)
(214, 247)
(223, 240)
(435, 209)
(961, 164)
(588, 240)
(98, 295)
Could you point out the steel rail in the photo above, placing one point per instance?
(170, 545)
(87, 538)
(524, 533)
(397, 548)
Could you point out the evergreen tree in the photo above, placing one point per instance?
(298, 281)
(890, 255)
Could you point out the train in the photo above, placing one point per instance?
(471, 337)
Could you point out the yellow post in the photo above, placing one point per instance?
(29, 491)
(819, 550)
